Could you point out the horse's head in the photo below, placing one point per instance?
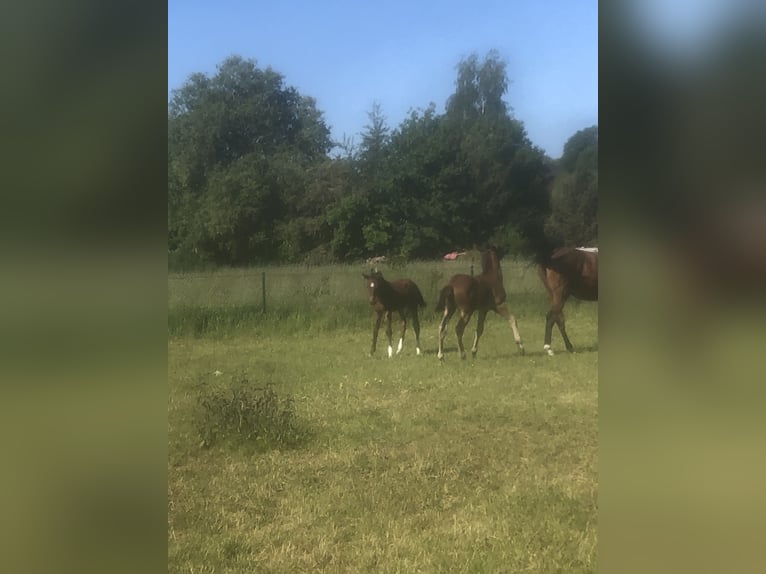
(498, 251)
(373, 281)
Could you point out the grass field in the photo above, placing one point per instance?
(403, 464)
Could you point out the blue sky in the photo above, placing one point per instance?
(403, 54)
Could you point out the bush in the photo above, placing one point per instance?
(245, 415)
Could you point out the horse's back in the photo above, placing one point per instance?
(409, 291)
(578, 269)
(460, 280)
(472, 293)
(462, 283)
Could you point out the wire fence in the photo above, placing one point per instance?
(312, 287)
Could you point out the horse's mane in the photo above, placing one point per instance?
(486, 261)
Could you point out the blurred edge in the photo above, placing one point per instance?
(683, 224)
(83, 248)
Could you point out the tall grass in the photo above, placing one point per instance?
(243, 413)
(313, 299)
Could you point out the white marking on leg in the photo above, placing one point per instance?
(549, 349)
(417, 350)
(399, 348)
(390, 351)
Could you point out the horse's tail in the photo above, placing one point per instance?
(542, 248)
(446, 292)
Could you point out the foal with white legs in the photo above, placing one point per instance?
(482, 294)
(400, 295)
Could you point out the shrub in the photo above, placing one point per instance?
(241, 414)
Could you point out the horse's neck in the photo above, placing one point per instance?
(499, 275)
(491, 270)
(493, 278)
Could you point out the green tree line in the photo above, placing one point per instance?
(254, 176)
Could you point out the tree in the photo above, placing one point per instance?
(249, 177)
(580, 142)
(238, 144)
(574, 199)
(479, 88)
(499, 178)
(375, 139)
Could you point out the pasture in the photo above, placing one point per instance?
(402, 464)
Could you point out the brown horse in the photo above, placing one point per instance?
(482, 294)
(401, 295)
(568, 271)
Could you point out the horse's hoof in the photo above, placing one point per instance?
(521, 350)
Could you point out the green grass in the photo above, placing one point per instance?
(300, 298)
(408, 465)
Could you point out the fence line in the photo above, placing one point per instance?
(450, 266)
(302, 287)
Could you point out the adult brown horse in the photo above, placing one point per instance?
(401, 295)
(479, 294)
(567, 271)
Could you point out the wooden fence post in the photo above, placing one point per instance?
(263, 290)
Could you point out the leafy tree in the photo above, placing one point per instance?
(375, 139)
(307, 232)
(237, 144)
(250, 179)
(501, 176)
(479, 88)
(574, 200)
(347, 219)
(577, 144)
(418, 158)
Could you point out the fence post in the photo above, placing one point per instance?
(471, 269)
(263, 290)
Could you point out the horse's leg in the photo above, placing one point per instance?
(449, 310)
(459, 329)
(389, 334)
(550, 319)
(555, 315)
(562, 329)
(403, 317)
(503, 311)
(560, 321)
(416, 328)
(375, 327)
(479, 330)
